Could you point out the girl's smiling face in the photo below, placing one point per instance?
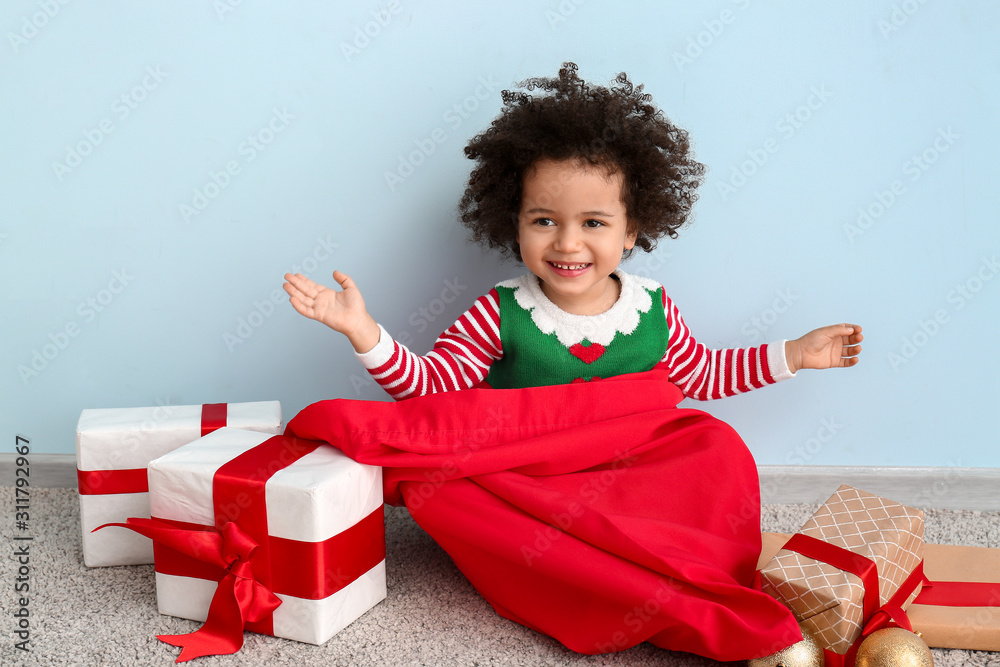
(572, 230)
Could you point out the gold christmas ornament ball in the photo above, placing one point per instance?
(806, 653)
(893, 647)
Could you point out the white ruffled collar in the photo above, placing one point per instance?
(570, 329)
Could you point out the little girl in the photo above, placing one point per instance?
(569, 184)
(569, 180)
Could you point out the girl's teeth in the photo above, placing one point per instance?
(569, 267)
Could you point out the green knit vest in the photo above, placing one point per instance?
(532, 358)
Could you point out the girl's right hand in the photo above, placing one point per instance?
(342, 311)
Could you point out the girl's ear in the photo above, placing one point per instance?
(630, 238)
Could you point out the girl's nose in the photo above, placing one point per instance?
(568, 239)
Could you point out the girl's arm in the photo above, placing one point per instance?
(706, 374)
(460, 359)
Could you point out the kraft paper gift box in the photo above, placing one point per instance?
(829, 602)
(973, 625)
(319, 526)
(113, 448)
(972, 620)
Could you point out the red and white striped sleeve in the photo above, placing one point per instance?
(460, 359)
(706, 374)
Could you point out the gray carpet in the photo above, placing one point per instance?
(432, 616)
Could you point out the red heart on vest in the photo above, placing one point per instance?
(588, 354)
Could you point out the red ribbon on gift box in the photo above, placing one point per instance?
(960, 594)
(133, 480)
(321, 568)
(247, 581)
(213, 417)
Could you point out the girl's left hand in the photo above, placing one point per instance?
(835, 346)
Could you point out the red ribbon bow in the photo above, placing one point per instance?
(239, 598)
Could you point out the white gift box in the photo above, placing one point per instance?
(113, 448)
(316, 500)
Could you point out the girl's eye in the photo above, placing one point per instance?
(544, 222)
(594, 223)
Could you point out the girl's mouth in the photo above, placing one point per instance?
(564, 269)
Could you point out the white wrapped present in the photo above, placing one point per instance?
(113, 448)
(315, 515)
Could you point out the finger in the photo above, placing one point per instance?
(343, 279)
(295, 278)
(852, 351)
(299, 281)
(855, 332)
(300, 307)
(294, 292)
(290, 286)
(309, 288)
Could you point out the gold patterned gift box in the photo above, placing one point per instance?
(968, 623)
(829, 602)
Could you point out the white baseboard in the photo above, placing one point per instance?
(44, 470)
(926, 488)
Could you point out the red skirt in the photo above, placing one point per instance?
(597, 513)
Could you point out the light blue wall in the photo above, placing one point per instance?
(112, 296)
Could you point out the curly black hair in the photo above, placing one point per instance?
(617, 128)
